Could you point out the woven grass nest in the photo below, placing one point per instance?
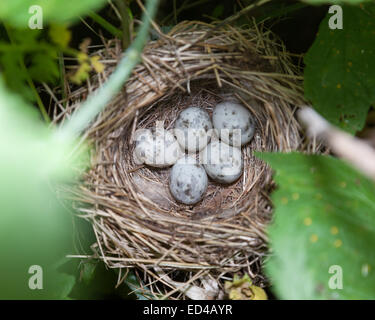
(180, 251)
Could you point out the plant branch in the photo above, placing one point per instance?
(353, 150)
(97, 101)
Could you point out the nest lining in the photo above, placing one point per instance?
(136, 221)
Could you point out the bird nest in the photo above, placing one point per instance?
(178, 250)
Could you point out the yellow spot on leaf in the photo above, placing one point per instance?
(343, 184)
(307, 221)
(338, 86)
(350, 63)
(295, 196)
(337, 243)
(334, 230)
(284, 200)
(314, 238)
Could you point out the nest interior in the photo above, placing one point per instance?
(136, 221)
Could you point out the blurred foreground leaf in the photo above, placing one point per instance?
(324, 222)
(340, 68)
(17, 12)
(35, 228)
(60, 34)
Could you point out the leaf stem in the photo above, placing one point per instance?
(98, 100)
(105, 24)
(125, 22)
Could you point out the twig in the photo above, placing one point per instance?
(353, 150)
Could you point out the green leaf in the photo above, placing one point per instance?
(133, 283)
(27, 58)
(87, 272)
(60, 34)
(340, 69)
(101, 285)
(324, 217)
(59, 286)
(17, 13)
(44, 67)
(35, 227)
(15, 77)
(65, 282)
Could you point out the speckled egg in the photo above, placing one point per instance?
(234, 123)
(156, 147)
(223, 163)
(192, 129)
(188, 181)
